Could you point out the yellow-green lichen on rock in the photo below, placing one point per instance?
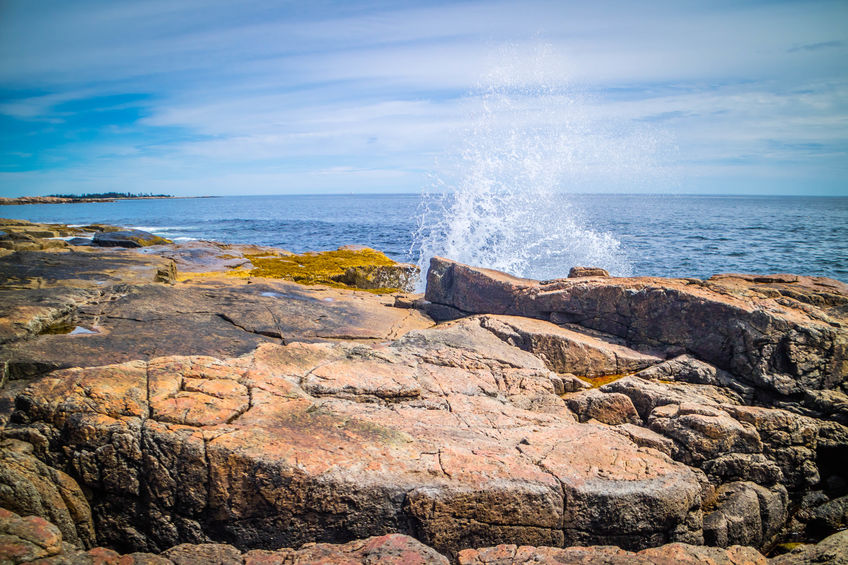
(363, 268)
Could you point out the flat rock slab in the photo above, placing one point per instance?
(448, 434)
(82, 268)
(210, 256)
(220, 318)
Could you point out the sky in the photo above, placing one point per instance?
(213, 97)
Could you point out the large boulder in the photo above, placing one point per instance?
(781, 334)
(609, 408)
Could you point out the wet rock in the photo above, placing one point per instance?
(31, 488)
(91, 269)
(28, 313)
(347, 267)
(400, 276)
(127, 238)
(567, 351)
(608, 408)
(215, 317)
(577, 272)
(206, 256)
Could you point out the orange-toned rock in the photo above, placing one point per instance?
(670, 554)
(568, 351)
(609, 408)
(215, 317)
(782, 334)
(31, 488)
(449, 433)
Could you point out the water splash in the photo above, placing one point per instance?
(500, 201)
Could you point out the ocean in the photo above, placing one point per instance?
(659, 235)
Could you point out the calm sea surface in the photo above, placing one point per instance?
(691, 236)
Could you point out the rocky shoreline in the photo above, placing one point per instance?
(181, 403)
(73, 199)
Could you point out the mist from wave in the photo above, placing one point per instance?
(498, 199)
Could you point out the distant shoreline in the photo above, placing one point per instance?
(82, 199)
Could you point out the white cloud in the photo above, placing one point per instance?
(298, 93)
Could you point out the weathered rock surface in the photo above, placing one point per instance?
(781, 334)
(127, 238)
(81, 268)
(29, 487)
(608, 408)
(670, 554)
(745, 514)
(209, 256)
(568, 351)
(577, 272)
(450, 434)
(214, 410)
(32, 539)
(832, 550)
(120, 313)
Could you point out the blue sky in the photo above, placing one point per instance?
(211, 97)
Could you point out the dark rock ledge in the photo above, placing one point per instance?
(220, 418)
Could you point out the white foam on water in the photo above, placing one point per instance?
(159, 228)
(499, 199)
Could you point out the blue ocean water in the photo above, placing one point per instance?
(662, 235)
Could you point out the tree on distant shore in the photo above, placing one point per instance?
(110, 195)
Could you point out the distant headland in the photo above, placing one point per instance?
(74, 198)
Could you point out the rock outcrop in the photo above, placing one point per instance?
(181, 401)
(783, 335)
(127, 238)
(448, 434)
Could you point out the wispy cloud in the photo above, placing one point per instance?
(816, 46)
(273, 97)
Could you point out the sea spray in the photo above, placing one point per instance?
(499, 200)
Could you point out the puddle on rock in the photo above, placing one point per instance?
(65, 328)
